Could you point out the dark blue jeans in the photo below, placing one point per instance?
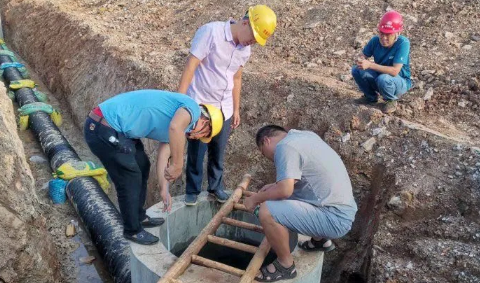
(216, 152)
(127, 165)
(370, 82)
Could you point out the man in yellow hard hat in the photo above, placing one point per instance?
(113, 131)
(213, 75)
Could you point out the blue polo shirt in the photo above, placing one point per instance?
(147, 113)
(399, 53)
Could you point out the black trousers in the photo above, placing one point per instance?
(128, 167)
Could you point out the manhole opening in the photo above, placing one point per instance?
(187, 222)
(226, 255)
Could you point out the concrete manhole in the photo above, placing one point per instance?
(149, 263)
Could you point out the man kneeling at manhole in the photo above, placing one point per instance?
(113, 131)
(312, 196)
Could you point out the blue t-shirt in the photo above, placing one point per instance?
(399, 53)
(147, 113)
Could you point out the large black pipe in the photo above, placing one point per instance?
(99, 215)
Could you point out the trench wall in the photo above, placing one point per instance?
(27, 252)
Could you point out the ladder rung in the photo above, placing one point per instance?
(241, 224)
(241, 207)
(232, 244)
(217, 265)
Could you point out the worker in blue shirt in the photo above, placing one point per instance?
(389, 74)
(113, 131)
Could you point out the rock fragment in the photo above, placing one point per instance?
(368, 144)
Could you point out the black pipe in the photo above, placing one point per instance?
(101, 218)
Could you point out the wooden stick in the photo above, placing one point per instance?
(232, 244)
(241, 224)
(217, 265)
(241, 207)
(185, 259)
(256, 262)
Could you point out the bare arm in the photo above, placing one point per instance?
(176, 132)
(237, 87)
(365, 64)
(391, 70)
(277, 191)
(188, 72)
(162, 161)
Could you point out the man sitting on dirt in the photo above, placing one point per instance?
(312, 196)
(213, 74)
(113, 131)
(389, 74)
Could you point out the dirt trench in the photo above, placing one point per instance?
(418, 218)
(27, 252)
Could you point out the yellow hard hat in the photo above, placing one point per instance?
(216, 122)
(263, 21)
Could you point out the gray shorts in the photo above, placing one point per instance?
(309, 220)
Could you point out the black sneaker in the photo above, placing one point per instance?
(150, 222)
(142, 238)
(219, 195)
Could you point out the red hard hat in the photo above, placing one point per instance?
(391, 22)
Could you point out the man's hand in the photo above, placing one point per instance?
(235, 120)
(363, 64)
(167, 199)
(267, 187)
(188, 72)
(172, 172)
(250, 203)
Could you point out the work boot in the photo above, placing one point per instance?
(364, 100)
(190, 199)
(390, 106)
(219, 195)
(150, 222)
(142, 238)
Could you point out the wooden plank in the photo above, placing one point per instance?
(256, 262)
(186, 258)
(241, 224)
(232, 244)
(217, 265)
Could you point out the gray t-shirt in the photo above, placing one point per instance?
(322, 177)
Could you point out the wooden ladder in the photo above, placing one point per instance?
(190, 255)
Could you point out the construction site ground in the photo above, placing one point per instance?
(415, 173)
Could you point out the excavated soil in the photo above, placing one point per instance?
(416, 174)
